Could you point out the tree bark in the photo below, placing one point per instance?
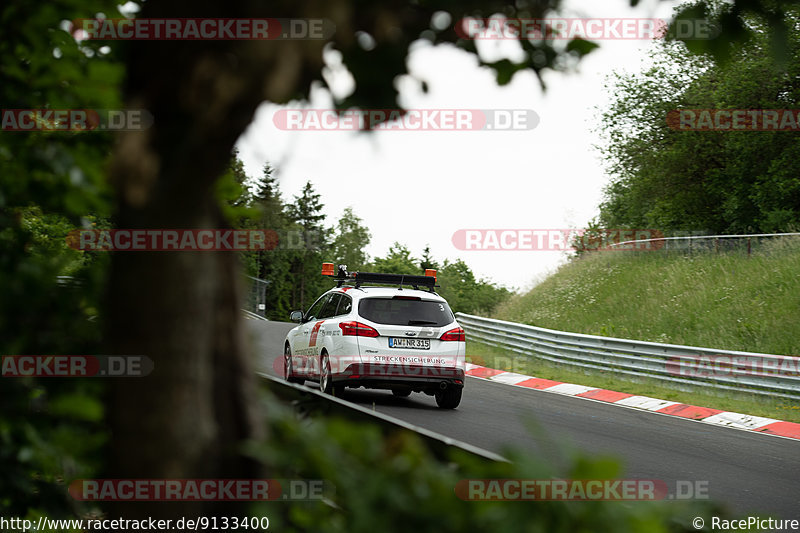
(181, 309)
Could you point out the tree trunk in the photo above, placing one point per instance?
(181, 309)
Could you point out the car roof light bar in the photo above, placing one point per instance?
(359, 278)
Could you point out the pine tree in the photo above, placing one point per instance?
(427, 259)
(274, 264)
(306, 216)
(351, 240)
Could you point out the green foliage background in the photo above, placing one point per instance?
(305, 242)
(712, 181)
(50, 429)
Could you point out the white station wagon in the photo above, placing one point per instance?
(379, 331)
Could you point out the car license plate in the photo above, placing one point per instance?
(414, 344)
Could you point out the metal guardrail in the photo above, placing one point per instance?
(777, 376)
(69, 281)
(309, 400)
(250, 314)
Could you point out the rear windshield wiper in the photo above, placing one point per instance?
(420, 322)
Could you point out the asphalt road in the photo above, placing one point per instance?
(752, 473)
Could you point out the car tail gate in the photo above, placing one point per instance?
(410, 332)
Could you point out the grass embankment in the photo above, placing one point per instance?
(726, 301)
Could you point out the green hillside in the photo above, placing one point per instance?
(718, 300)
(726, 300)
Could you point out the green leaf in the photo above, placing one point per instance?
(77, 406)
(581, 46)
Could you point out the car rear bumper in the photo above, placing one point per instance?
(414, 377)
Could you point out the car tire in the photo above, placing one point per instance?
(325, 382)
(401, 393)
(448, 398)
(287, 366)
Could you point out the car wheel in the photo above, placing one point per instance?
(287, 366)
(325, 384)
(401, 393)
(449, 398)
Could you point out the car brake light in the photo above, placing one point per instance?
(415, 298)
(456, 334)
(357, 329)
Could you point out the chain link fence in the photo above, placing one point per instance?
(700, 242)
(255, 301)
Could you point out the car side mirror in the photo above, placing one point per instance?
(296, 316)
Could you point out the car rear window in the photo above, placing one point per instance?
(405, 312)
